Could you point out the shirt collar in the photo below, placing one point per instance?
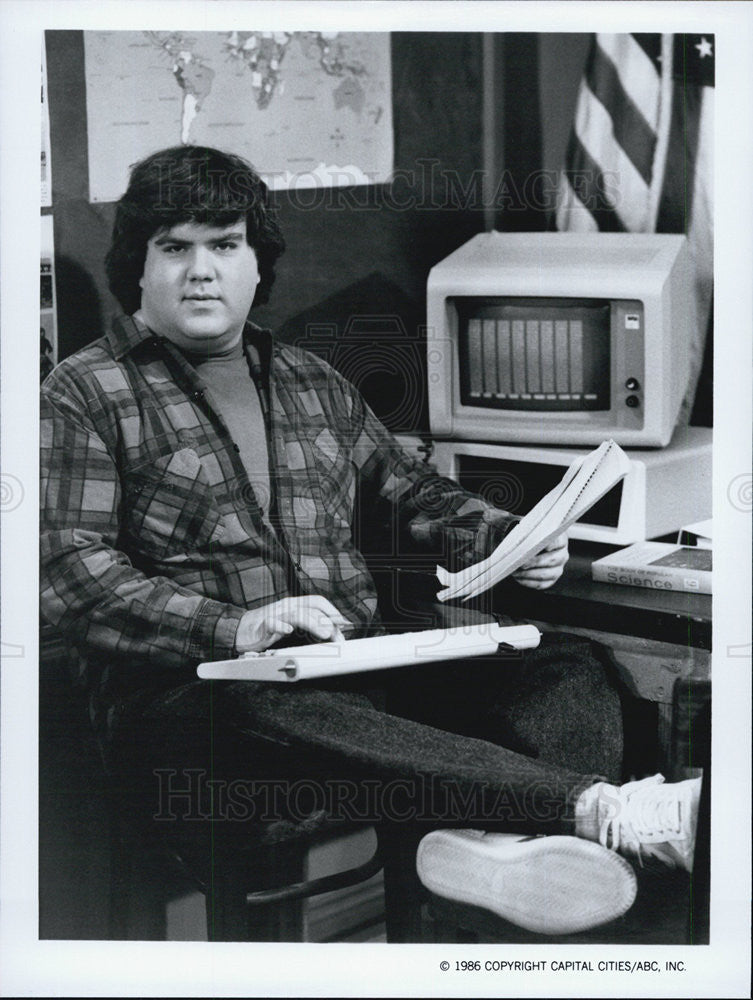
(128, 332)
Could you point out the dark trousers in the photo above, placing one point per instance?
(503, 742)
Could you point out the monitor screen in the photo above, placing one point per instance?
(535, 354)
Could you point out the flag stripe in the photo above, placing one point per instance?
(586, 178)
(570, 209)
(631, 130)
(651, 45)
(676, 204)
(638, 74)
(701, 232)
(702, 220)
(623, 187)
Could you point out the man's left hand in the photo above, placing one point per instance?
(546, 567)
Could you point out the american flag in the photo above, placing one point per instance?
(640, 157)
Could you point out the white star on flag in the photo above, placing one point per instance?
(704, 48)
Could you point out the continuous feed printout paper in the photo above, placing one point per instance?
(586, 481)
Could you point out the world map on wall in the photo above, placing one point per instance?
(306, 108)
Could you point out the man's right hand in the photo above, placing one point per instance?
(261, 628)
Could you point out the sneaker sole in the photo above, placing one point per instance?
(550, 885)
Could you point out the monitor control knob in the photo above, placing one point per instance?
(632, 402)
(632, 384)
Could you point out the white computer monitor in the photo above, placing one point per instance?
(560, 338)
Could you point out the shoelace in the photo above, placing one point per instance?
(644, 814)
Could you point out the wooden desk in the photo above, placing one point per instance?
(577, 600)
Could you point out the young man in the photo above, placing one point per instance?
(200, 489)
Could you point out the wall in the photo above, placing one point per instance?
(562, 58)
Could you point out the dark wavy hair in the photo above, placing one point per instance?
(189, 184)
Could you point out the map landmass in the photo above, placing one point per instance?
(308, 109)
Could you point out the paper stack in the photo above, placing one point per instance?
(585, 482)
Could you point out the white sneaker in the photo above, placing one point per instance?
(643, 818)
(551, 885)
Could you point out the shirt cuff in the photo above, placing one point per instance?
(225, 633)
(213, 632)
(495, 525)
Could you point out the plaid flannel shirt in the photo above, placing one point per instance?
(153, 543)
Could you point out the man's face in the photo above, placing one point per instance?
(198, 284)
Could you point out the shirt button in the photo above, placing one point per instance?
(237, 448)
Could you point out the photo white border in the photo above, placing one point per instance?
(57, 968)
